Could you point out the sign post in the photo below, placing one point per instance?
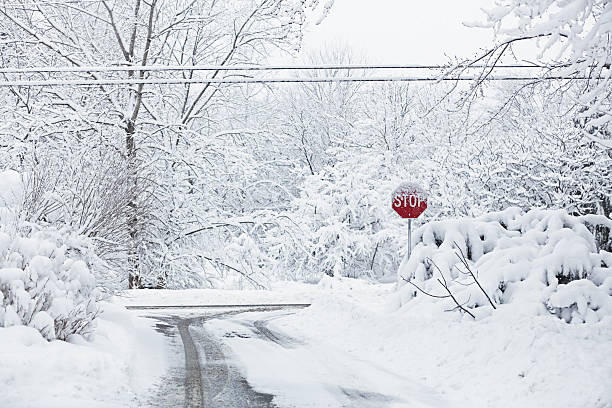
(409, 200)
(409, 236)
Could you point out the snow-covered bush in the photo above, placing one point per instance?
(543, 261)
(346, 211)
(45, 280)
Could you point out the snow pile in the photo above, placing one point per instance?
(541, 262)
(48, 293)
(45, 280)
(115, 369)
(509, 360)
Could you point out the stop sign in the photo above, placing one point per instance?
(409, 200)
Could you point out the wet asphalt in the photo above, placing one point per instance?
(206, 379)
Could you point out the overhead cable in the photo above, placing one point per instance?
(178, 81)
(154, 68)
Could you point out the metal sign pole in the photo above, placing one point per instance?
(409, 237)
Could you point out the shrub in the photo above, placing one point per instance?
(45, 276)
(542, 261)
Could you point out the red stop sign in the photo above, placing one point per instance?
(409, 200)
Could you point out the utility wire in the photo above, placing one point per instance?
(48, 3)
(152, 68)
(175, 81)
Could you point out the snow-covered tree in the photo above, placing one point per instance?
(172, 131)
(575, 42)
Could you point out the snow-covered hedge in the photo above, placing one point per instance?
(542, 262)
(350, 228)
(45, 279)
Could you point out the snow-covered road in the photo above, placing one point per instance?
(349, 349)
(303, 373)
(230, 357)
(201, 375)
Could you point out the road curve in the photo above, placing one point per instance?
(207, 380)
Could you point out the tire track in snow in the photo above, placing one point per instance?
(193, 371)
(209, 381)
(261, 326)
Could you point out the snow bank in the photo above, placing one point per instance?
(45, 277)
(281, 292)
(114, 369)
(48, 294)
(541, 262)
(507, 361)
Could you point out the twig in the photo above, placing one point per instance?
(242, 273)
(445, 286)
(426, 293)
(467, 267)
(455, 300)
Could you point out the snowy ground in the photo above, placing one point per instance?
(348, 344)
(116, 369)
(308, 372)
(503, 361)
(282, 292)
(347, 350)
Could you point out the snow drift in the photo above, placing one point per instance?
(48, 293)
(540, 262)
(509, 360)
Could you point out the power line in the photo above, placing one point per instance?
(178, 81)
(153, 68)
(47, 3)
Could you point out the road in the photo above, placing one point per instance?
(207, 378)
(203, 371)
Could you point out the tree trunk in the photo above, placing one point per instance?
(134, 278)
(602, 233)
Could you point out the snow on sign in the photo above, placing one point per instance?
(409, 200)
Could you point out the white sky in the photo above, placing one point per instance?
(403, 31)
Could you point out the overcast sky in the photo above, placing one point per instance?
(403, 31)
